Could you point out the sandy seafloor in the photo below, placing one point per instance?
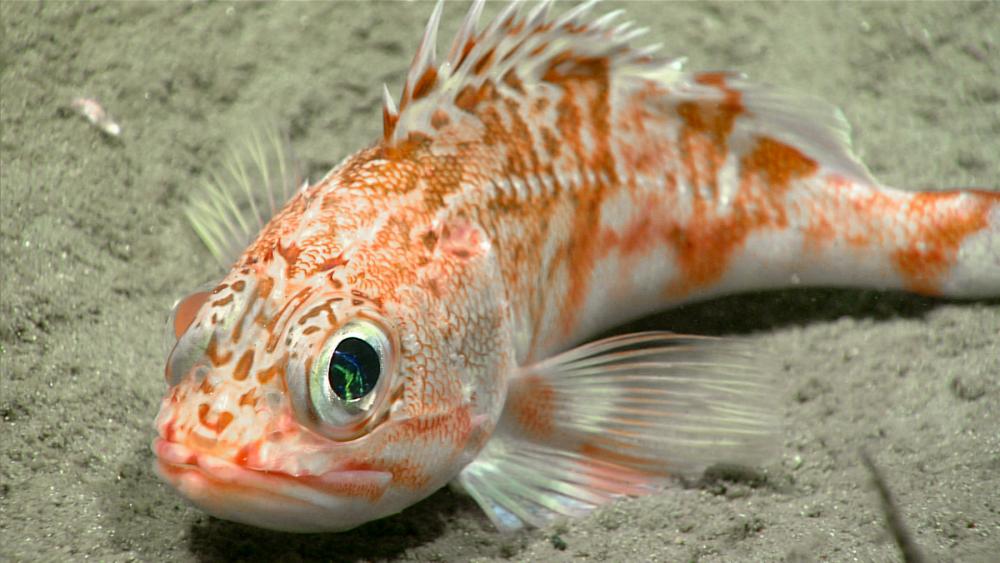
(94, 250)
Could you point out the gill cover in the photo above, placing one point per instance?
(184, 338)
(196, 319)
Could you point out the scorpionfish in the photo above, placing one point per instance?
(416, 316)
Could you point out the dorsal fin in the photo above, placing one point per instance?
(520, 50)
(526, 42)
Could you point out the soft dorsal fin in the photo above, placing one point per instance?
(811, 125)
(525, 42)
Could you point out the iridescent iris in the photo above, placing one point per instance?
(354, 369)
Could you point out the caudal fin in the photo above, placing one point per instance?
(954, 248)
(847, 233)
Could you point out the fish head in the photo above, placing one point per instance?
(316, 396)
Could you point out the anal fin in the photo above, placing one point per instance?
(619, 417)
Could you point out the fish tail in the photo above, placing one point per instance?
(793, 205)
(937, 243)
(952, 247)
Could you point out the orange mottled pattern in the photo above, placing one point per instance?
(532, 406)
(919, 233)
(938, 234)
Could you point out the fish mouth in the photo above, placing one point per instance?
(329, 502)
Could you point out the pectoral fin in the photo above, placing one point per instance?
(619, 417)
(254, 181)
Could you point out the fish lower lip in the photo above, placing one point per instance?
(268, 499)
(181, 456)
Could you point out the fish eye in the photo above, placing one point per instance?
(348, 382)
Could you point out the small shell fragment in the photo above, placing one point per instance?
(95, 113)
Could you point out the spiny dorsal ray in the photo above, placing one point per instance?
(523, 43)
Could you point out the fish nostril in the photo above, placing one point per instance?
(222, 419)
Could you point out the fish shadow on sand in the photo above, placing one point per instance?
(422, 524)
(385, 539)
(137, 501)
(757, 312)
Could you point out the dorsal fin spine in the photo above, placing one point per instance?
(460, 46)
(423, 70)
(539, 14)
(604, 21)
(519, 40)
(574, 16)
(390, 115)
(634, 34)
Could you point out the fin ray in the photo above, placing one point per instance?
(520, 40)
(810, 124)
(250, 185)
(619, 417)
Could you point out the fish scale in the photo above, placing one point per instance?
(545, 182)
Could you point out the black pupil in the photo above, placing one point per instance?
(354, 369)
